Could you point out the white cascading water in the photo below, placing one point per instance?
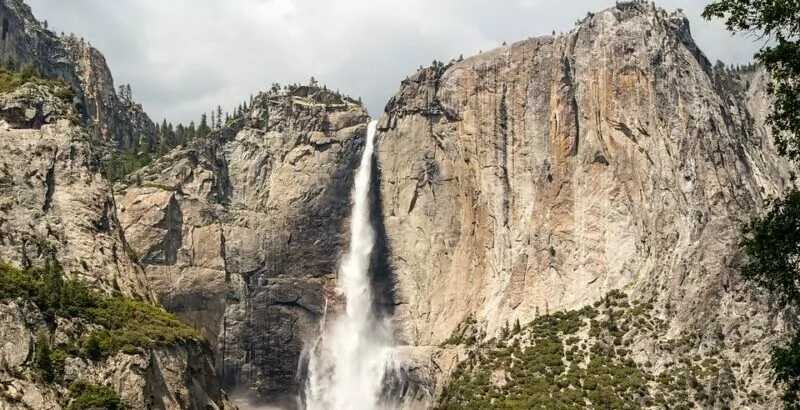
(346, 367)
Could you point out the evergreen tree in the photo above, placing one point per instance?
(213, 121)
(219, 117)
(172, 139)
(164, 140)
(180, 135)
(778, 21)
(43, 359)
(191, 131)
(202, 129)
(10, 64)
(121, 94)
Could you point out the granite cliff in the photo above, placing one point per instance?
(553, 216)
(542, 175)
(240, 233)
(80, 324)
(68, 278)
(24, 39)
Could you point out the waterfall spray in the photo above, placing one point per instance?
(348, 364)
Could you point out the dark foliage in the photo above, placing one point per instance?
(128, 325)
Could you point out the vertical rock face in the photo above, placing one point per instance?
(24, 40)
(55, 205)
(240, 233)
(540, 176)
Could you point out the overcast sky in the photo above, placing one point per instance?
(184, 57)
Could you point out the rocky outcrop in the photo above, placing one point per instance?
(177, 377)
(541, 175)
(240, 233)
(24, 39)
(55, 206)
(35, 104)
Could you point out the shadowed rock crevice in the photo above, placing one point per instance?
(383, 276)
(50, 185)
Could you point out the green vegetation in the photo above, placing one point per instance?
(778, 21)
(584, 359)
(165, 136)
(42, 360)
(88, 396)
(126, 162)
(11, 80)
(127, 325)
(772, 242)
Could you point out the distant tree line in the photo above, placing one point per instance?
(167, 135)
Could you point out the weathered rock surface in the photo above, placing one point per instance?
(24, 39)
(55, 205)
(240, 233)
(178, 377)
(540, 176)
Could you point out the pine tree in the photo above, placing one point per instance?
(42, 357)
(202, 129)
(219, 117)
(192, 131)
(164, 133)
(180, 134)
(121, 94)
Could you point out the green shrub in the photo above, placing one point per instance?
(126, 162)
(11, 80)
(580, 359)
(89, 396)
(125, 323)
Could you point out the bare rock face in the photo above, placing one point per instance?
(540, 176)
(177, 377)
(56, 205)
(24, 39)
(240, 233)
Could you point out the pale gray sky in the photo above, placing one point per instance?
(184, 57)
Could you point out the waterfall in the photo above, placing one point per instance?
(348, 363)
